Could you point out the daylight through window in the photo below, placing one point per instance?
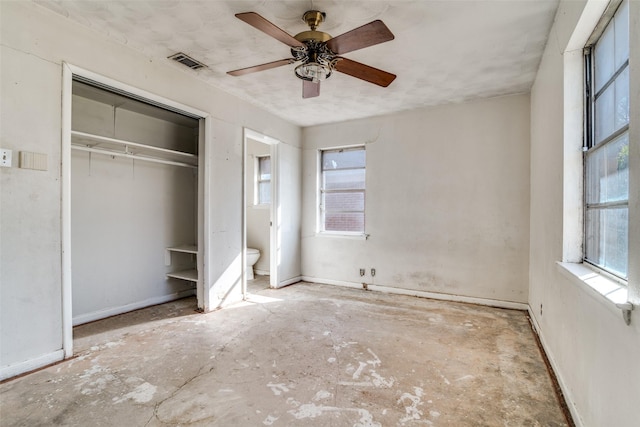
(263, 180)
(342, 190)
(607, 147)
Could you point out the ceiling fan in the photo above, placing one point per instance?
(318, 52)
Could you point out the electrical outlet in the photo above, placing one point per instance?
(5, 158)
(540, 310)
(373, 272)
(362, 272)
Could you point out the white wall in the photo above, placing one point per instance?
(35, 42)
(258, 216)
(594, 353)
(447, 201)
(124, 213)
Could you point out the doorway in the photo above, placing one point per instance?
(261, 200)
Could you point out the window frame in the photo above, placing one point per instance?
(321, 223)
(591, 146)
(258, 180)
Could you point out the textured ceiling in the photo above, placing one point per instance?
(443, 52)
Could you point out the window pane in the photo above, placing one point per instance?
(344, 222)
(342, 179)
(264, 168)
(621, 110)
(607, 178)
(621, 23)
(341, 159)
(604, 60)
(607, 243)
(604, 111)
(264, 192)
(344, 201)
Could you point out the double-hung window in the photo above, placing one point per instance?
(606, 159)
(342, 190)
(263, 180)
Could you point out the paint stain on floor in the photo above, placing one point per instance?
(304, 355)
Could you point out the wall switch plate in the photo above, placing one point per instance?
(35, 161)
(373, 272)
(5, 158)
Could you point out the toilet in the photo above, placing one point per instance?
(252, 257)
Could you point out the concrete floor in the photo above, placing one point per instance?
(303, 355)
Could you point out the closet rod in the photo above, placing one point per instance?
(131, 156)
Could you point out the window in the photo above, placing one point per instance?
(263, 180)
(606, 160)
(342, 190)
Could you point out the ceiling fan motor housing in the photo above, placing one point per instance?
(313, 18)
(318, 61)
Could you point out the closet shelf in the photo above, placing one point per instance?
(188, 249)
(118, 147)
(190, 275)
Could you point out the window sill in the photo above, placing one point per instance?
(262, 206)
(342, 235)
(603, 288)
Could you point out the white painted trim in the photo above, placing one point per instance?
(422, 294)
(332, 282)
(65, 214)
(565, 390)
(135, 91)
(200, 240)
(113, 311)
(342, 235)
(275, 216)
(257, 136)
(602, 288)
(205, 206)
(289, 282)
(11, 371)
(243, 225)
(261, 272)
(589, 18)
(572, 183)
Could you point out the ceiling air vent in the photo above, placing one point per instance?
(187, 60)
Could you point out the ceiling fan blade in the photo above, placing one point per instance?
(261, 67)
(368, 35)
(310, 89)
(268, 28)
(365, 72)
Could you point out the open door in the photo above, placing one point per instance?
(261, 207)
(284, 209)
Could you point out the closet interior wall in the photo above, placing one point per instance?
(126, 210)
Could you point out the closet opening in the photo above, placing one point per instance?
(134, 208)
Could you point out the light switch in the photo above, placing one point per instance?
(5, 158)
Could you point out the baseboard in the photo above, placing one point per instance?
(11, 371)
(565, 390)
(422, 294)
(289, 282)
(261, 272)
(113, 311)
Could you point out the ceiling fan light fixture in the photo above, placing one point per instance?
(313, 72)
